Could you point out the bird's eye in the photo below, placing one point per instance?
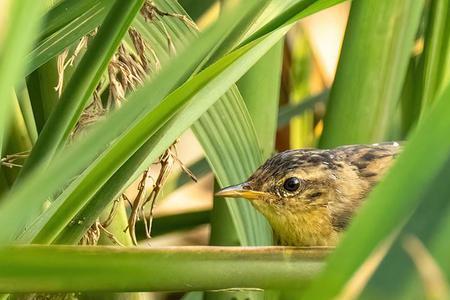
(291, 184)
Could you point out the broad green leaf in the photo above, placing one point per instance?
(369, 77)
(84, 81)
(65, 11)
(17, 33)
(436, 51)
(146, 155)
(233, 157)
(145, 124)
(115, 269)
(400, 193)
(218, 138)
(65, 24)
(204, 89)
(260, 89)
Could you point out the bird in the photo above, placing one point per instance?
(309, 196)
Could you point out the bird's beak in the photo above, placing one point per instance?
(239, 191)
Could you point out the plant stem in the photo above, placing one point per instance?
(116, 269)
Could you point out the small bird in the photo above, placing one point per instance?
(309, 196)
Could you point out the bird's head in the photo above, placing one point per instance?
(314, 192)
(289, 182)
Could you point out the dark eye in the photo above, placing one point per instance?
(291, 184)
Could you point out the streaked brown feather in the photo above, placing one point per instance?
(334, 183)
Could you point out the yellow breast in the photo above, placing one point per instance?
(309, 228)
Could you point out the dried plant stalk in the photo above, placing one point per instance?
(63, 63)
(143, 203)
(433, 278)
(126, 71)
(10, 160)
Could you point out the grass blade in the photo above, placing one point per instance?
(263, 82)
(369, 78)
(436, 52)
(16, 38)
(425, 224)
(65, 24)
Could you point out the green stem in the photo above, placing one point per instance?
(369, 77)
(41, 89)
(435, 51)
(115, 269)
(16, 141)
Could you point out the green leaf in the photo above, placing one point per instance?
(204, 89)
(170, 223)
(410, 99)
(113, 269)
(425, 224)
(145, 156)
(283, 13)
(65, 24)
(113, 188)
(260, 89)
(27, 113)
(84, 81)
(233, 155)
(196, 9)
(264, 118)
(16, 36)
(17, 139)
(369, 77)
(435, 55)
(65, 11)
(145, 124)
(288, 111)
(230, 143)
(399, 194)
(41, 85)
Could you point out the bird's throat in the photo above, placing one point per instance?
(310, 228)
